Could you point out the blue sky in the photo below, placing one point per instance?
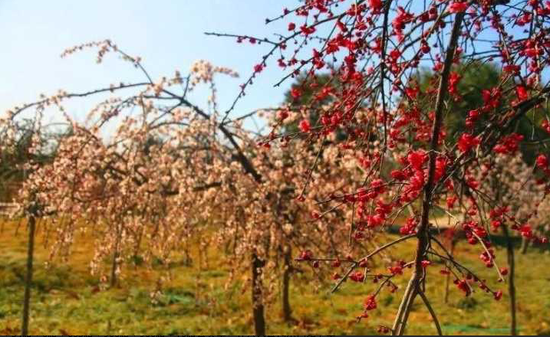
(167, 34)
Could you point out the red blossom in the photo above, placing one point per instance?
(440, 168)
(409, 227)
(258, 68)
(467, 141)
(495, 224)
(306, 255)
(375, 5)
(464, 286)
(397, 269)
(458, 7)
(383, 329)
(370, 303)
(357, 276)
(521, 92)
(417, 159)
(307, 30)
(542, 161)
(498, 295)
(304, 125)
(451, 201)
(295, 93)
(398, 175)
(526, 231)
(508, 144)
(454, 78)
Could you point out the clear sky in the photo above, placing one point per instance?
(167, 34)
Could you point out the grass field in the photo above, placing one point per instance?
(66, 300)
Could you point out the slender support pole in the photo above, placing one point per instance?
(287, 310)
(28, 277)
(511, 285)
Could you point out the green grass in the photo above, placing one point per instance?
(66, 300)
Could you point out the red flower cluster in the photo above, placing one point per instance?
(370, 303)
(497, 216)
(491, 98)
(526, 231)
(454, 78)
(451, 200)
(258, 68)
(409, 227)
(295, 93)
(425, 263)
(464, 286)
(304, 125)
(470, 228)
(521, 91)
(357, 276)
(306, 255)
(458, 7)
(400, 21)
(542, 162)
(375, 6)
(508, 144)
(498, 295)
(487, 258)
(307, 30)
(467, 141)
(440, 168)
(417, 159)
(397, 269)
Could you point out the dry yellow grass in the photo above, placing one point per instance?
(66, 301)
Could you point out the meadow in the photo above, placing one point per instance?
(67, 300)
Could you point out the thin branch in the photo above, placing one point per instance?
(432, 312)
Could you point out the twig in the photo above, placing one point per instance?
(432, 312)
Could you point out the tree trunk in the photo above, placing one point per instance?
(114, 265)
(287, 311)
(404, 310)
(28, 278)
(188, 261)
(257, 297)
(511, 285)
(524, 245)
(417, 279)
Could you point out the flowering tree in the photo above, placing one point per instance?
(148, 167)
(511, 189)
(137, 189)
(370, 148)
(378, 47)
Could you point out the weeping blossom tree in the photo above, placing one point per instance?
(373, 50)
(148, 170)
(134, 174)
